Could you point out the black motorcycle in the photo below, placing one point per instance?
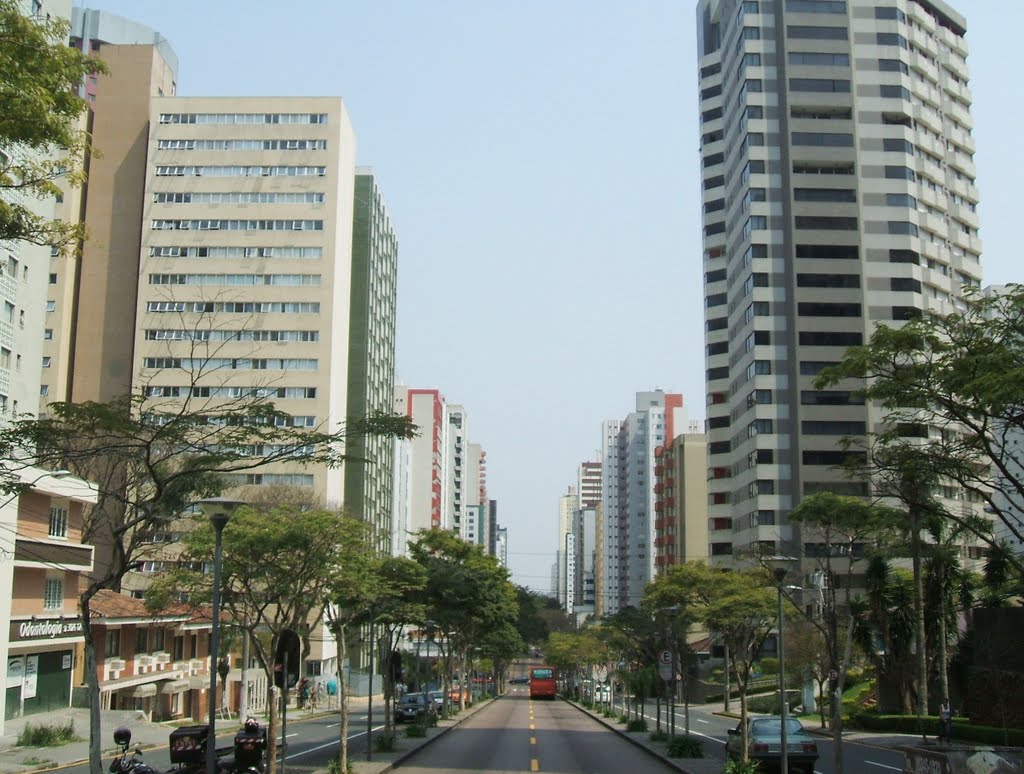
(122, 764)
(187, 748)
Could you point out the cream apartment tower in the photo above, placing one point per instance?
(246, 261)
(838, 194)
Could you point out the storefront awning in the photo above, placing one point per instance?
(175, 686)
(142, 691)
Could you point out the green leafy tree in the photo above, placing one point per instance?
(41, 136)
(844, 530)
(884, 629)
(399, 603)
(739, 607)
(152, 460)
(955, 379)
(279, 570)
(467, 595)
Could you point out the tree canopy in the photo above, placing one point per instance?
(953, 381)
(41, 137)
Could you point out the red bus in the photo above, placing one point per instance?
(542, 682)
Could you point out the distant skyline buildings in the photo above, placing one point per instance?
(628, 459)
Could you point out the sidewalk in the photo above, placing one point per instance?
(149, 735)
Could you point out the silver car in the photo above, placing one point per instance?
(764, 744)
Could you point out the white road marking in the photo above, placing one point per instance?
(882, 765)
(694, 733)
(328, 744)
(701, 720)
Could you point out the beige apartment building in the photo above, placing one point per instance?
(90, 310)
(245, 266)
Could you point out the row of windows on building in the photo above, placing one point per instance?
(198, 391)
(241, 145)
(207, 365)
(234, 307)
(236, 252)
(194, 334)
(237, 197)
(204, 224)
(172, 170)
(235, 279)
(243, 118)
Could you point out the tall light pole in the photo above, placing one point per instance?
(219, 513)
(780, 566)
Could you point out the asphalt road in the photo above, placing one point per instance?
(311, 744)
(858, 758)
(515, 734)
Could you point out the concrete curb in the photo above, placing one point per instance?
(626, 735)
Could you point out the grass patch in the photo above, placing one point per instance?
(47, 735)
(658, 736)
(416, 731)
(636, 724)
(33, 761)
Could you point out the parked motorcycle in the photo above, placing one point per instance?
(122, 764)
(187, 750)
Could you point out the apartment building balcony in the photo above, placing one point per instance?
(955, 42)
(924, 41)
(50, 554)
(958, 112)
(929, 117)
(963, 162)
(924, 65)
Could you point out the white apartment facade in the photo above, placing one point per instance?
(839, 193)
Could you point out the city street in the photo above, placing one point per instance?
(517, 734)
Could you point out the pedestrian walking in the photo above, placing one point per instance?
(945, 722)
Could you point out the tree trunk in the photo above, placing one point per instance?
(462, 682)
(837, 699)
(922, 654)
(243, 690)
(342, 702)
(272, 701)
(943, 656)
(93, 678)
(744, 737)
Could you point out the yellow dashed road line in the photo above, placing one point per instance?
(534, 764)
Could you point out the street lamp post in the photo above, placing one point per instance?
(220, 512)
(779, 566)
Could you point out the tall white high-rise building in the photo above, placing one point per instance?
(628, 456)
(839, 194)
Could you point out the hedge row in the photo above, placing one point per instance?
(963, 730)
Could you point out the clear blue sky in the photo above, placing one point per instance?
(540, 162)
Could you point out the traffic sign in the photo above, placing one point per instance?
(665, 670)
(665, 657)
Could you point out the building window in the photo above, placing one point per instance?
(48, 334)
(53, 279)
(141, 640)
(53, 593)
(157, 644)
(179, 648)
(112, 644)
(58, 522)
(51, 306)
(46, 361)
